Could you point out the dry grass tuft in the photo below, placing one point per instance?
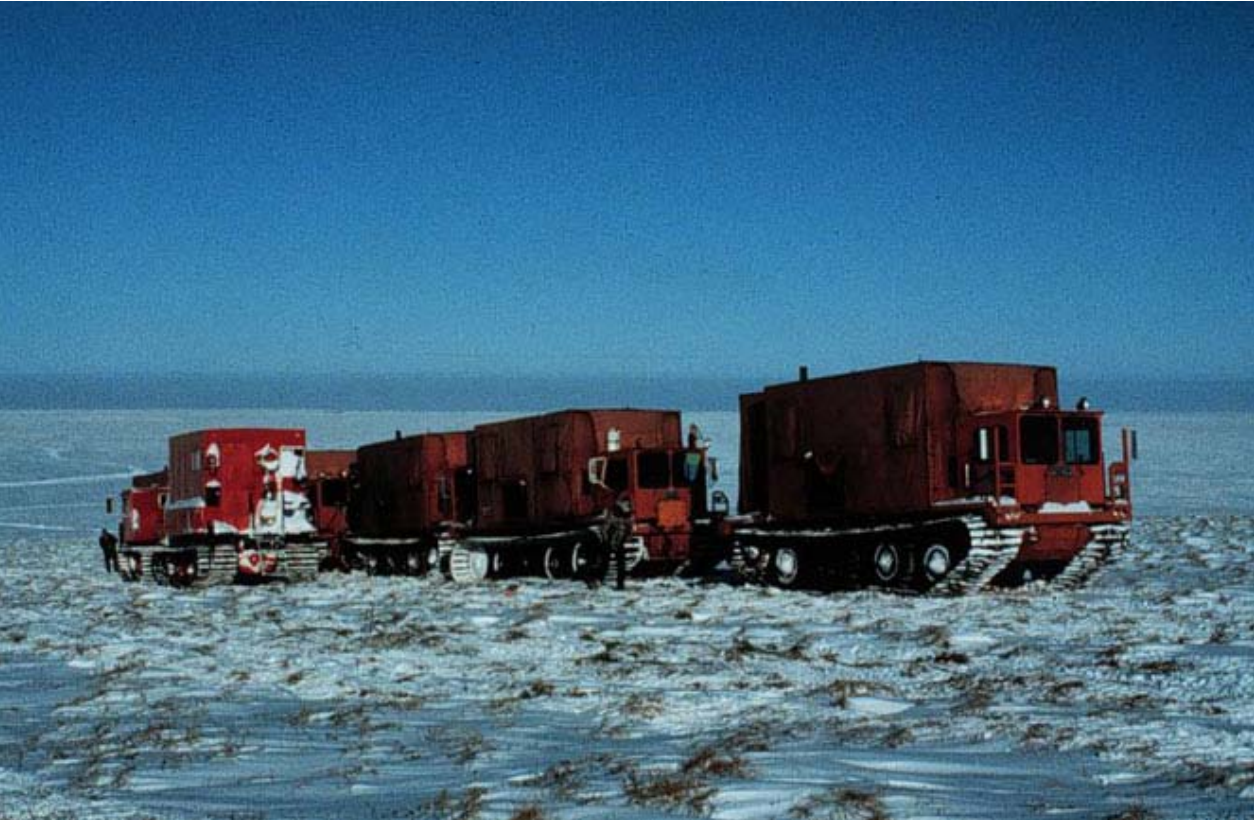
(447, 806)
(1133, 812)
(841, 804)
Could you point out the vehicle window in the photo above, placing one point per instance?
(685, 467)
(1080, 441)
(213, 495)
(653, 470)
(1003, 445)
(1038, 439)
(616, 474)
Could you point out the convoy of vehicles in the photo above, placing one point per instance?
(945, 477)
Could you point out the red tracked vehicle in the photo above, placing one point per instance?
(406, 495)
(945, 476)
(236, 509)
(142, 522)
(543, 485)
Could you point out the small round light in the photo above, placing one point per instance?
(1083, 403)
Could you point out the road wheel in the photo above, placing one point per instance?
(786, 567)
(413, 562)
(886, 561)
(557, 562)
(937, 562)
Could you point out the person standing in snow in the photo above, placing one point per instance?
(109, 546)
(617, 529)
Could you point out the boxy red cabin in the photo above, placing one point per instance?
(407, 487)
(143, 510)
(532, 474)
(245, 480)
(896, 441)
(921, 439)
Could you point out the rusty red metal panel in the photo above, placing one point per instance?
(991, 388)
(406, 487)
(531, 471)
(877, 443)
(755, 482)
(319, 463)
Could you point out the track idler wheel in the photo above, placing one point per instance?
(557, 562)
(786, 567)
(887, 563)
(414, 563)
(936, 562)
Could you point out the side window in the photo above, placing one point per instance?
(1080, 441)
(1038, 439)
(983, 444)
(653, 470)
(616, 474)
(686, 466)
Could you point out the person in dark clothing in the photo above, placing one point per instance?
(109, 546)
(618, 520)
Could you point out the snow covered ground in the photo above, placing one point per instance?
(357, 697)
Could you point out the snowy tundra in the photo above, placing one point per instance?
(358, 697)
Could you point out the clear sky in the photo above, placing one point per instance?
(625, 189)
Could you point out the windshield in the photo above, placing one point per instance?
(653, 470)
(1080, 444)
(1038, 439)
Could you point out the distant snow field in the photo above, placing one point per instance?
(356, 697)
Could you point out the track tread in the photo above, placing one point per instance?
(1109, 540)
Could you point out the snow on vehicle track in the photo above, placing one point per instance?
(366, 697)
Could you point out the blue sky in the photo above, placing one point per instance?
(625, 189)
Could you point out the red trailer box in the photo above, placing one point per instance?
(544, 480)
(326, 485)
(886, 449)
(143, 510)
(243, 489)
(406, 494)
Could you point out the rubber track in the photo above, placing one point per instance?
(217, 564)
(992, 550)
(301, 560)
(1108, 542)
